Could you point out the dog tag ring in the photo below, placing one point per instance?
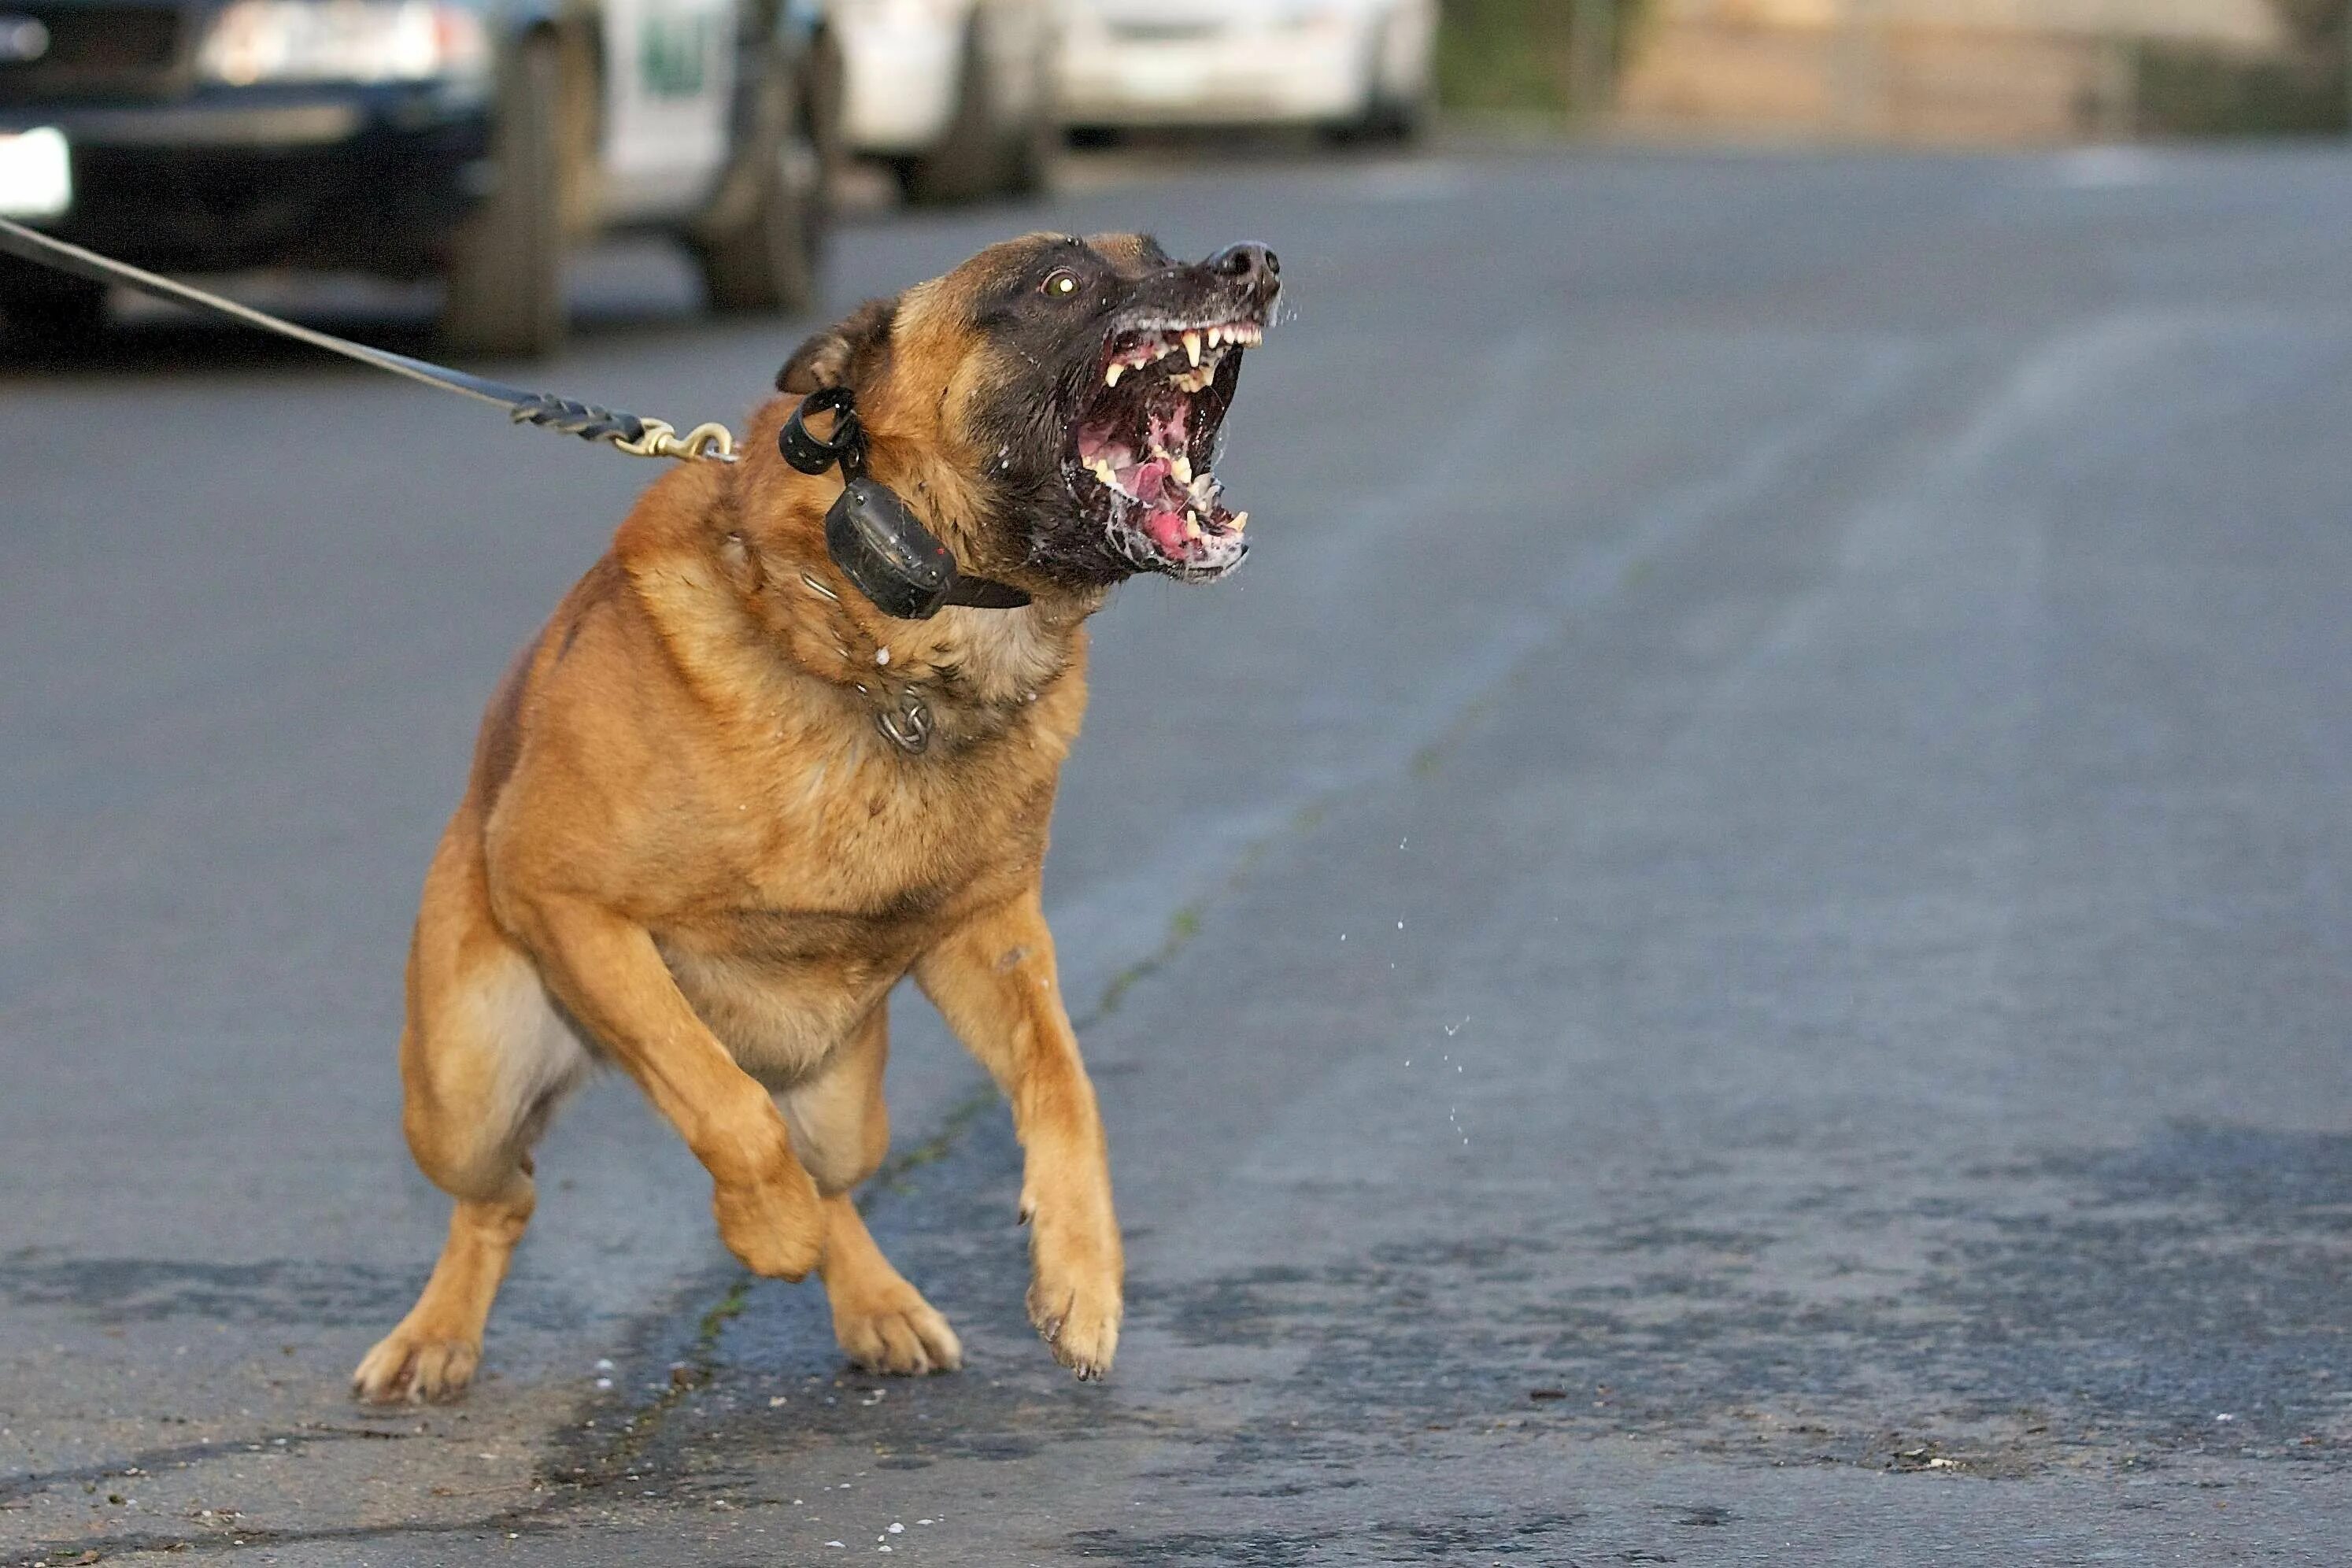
(910, 730)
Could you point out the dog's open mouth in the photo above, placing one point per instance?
(1142, 444)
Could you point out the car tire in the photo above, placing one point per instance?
(1388, 117)
(967, 163)
(47, 314)
(767, 258)
(1035, 153)
(1396, 120)
(1404, 117)
(506, 267)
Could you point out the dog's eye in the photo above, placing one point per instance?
(1060, 283)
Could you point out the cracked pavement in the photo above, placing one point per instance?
(1729, 948)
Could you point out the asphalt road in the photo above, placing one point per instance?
(1731, 948)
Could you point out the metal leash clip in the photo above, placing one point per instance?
(708, 442)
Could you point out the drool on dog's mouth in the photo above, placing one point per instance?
(1146, 434)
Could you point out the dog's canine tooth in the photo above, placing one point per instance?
(1191, 523)
(1240, 522)
(1111, 376)
(1181, 467)
(1193, 349)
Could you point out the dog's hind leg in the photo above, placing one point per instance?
(841, 1129)
(484, 1059)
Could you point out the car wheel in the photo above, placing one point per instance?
(966, 162)
(1403, 116)
(47, 314)
(765, 255)
(1386, 115)
(1399, 119)
(1036, 149)
(506, 266)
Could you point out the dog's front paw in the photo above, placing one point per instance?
(1075, 1299)
(775, 1227)
(410, 1368)
(902, 1335)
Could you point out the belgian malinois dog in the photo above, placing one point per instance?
(723, 801)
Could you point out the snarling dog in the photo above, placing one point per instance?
(722, 803)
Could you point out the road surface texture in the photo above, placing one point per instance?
(1733, 947)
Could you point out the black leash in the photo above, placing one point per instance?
(629, 432)
(872, 535)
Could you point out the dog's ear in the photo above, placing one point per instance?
(844, 356)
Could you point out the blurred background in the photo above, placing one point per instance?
(477, 142)
(1731, 947)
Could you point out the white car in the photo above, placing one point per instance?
(1349, 67)
(956, 96)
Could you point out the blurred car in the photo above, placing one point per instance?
(474, 139)
(1348, 67)
(955, 96)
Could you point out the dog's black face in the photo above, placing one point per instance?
(1090, 380)
(1124, 363)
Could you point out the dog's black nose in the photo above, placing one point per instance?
(1251, 264)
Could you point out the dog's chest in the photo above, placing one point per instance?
(830, 886)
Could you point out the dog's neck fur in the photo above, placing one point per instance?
(975, 669)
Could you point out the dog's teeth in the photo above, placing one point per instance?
(1193, 349)
(1215, 335)
(1240, 522)
(1181, 467)
(1111, 376)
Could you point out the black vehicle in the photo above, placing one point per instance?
(472, 138)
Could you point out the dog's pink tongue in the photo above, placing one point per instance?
(1167, 530)
(1155, 483)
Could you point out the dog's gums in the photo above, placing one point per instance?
(1143, 443)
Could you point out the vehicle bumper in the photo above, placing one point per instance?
(899, 82)
(1233, 76)
(372, 179)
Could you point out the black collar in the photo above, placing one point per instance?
(902, 567)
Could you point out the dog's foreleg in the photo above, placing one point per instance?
(606, 970)
(993, 980)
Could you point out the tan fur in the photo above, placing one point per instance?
(687, 847)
